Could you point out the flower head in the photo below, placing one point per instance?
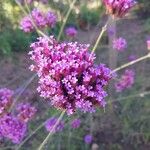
(68, 77)
(25, 111)
(88, 139)
(120, 44)
(12, 128)
(50, 123)
(126, 80)
(26, 24)
(75, 123)
(118, 8)
(71, 32)
(5, 99)
(51, 19)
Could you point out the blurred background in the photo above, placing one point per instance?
(125, 123)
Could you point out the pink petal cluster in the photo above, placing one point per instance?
(75, 123)
(71, 32)
(118, 8)
(40, 19)
(120, 44)
(50, 123)
(5, 100)
(126, 80)
(148, 44)
(12, 128)
(68, 77)
(25, 111)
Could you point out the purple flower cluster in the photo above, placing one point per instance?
(88, 139)
(12, 128)
(5, 100)
(40, 19)
(25, 111)
(50, 123)
(75, 123)
(68, 77)
(120, 44)
(71, 32)
(118, 8)
(126, 80)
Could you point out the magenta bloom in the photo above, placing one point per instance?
(5, 100)
(120, 44)
(51, 19)
(88, 139)
(71, 32)
(39, 18)
(12, 128)
(68, 77)
(50, 123)
(25, 111)
(118, 8)
(26, 24)
(126, 81)
(75, 123)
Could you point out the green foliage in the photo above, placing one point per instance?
(14, 40)
(90, 16)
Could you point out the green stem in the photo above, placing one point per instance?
(131, 63)
(51, 132)
(104, 28)
(66, 18)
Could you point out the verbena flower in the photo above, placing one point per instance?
(68, 77)
(71, 32)
(88, 139)
(12, 128)
(75, 123)
(118, 8)
(126, 81)
(120, 44)
(25, 111)
(5, 100)
(39, 18)
(26, 24)
(50, 123)
(51, 19)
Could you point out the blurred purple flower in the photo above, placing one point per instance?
(126, 80)
(75, 123)
(118, 8)
(25, 111)
(5, 100)
(50, 123)
(120, 44)
(88, 139)
(26, 24)
(12, 128)
(71, 32)
(51, 19)
(132, 57)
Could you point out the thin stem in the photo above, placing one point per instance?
(22, 90)
(131, 63)
(25, 140)
(104, 28)
(66, 18)
(24, 11)
(51, 132)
